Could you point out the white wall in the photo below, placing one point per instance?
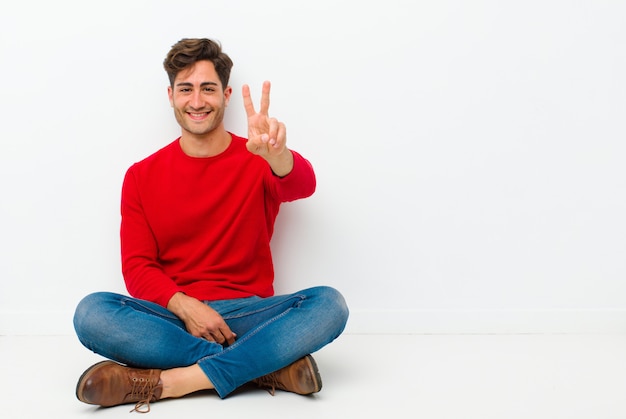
(470, 155)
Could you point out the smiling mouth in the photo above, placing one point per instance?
(198, 115)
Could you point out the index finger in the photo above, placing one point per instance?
(228, 334)
(247, 100)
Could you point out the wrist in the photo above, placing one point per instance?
(176, 303)
(281, 164)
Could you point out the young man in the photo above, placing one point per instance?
(197, 219)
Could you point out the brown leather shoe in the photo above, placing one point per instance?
(301, 377)
(108, 383)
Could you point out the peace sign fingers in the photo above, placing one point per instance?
(265, 100)
(267, 137)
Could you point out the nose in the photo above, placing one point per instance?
(196, 101)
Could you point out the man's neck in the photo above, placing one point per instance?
(208, 145)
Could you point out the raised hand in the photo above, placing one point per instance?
(267, 137)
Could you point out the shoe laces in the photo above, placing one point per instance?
(143, 390)
(270, 382)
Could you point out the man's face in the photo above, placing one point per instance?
(198, 98)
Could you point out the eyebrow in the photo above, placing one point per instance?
(203, 84)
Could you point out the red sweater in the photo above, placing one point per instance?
(203, 226)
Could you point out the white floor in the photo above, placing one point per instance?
(388, 376)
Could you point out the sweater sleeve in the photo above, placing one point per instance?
(143, 275)
(299, 183)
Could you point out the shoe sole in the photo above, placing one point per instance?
(315, 373)
(81, 381)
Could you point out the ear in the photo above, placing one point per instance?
(170, 95)
(227, 93)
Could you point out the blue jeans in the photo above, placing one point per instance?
(271, 333)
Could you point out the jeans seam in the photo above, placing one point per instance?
(129, 302)
(298, 297)
(248, 335)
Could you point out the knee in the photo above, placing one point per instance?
(88, 313)
(334, 305)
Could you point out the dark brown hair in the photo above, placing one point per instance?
(188, 51)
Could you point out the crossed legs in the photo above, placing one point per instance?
(272, 333)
